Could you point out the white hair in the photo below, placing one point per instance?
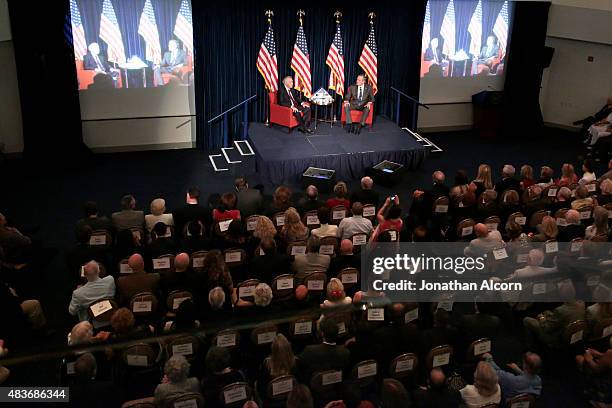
(81, 333)
(216, 297)
(263, 295)
(177, 369)
(536, 257)
(508, 170)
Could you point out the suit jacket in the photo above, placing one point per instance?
(487, 52)
(191, 212)
(267, 267)
(284, 99)
(323, 357)
(436, 56)
(126, 219)
(130, 285)
(509, 183)
(250, 202)
(90, 63)
(366, 197)
(569, 232)
(352, 93)
(178, 61)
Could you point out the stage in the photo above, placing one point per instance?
(283, 157)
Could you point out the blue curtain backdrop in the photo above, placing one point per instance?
(228, 36)
(464, 9)
(437, 9)
(490, 11)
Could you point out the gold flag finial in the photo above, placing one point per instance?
(300, 14)
(338, 15)
(372, 16)
(269, 14)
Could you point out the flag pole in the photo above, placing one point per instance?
(269, 14)
(371, 15)
(338, 15)
(297, 85)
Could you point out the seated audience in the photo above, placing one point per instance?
(176, 382)
(227, 209)
(568, 175)
(573, 228)
(582, 198)
(534, 268)
(525, 380)
(526, 177)
(271, 263)
(485, 389)
(264, 229)
(96, 288)
(162, 242)
(437, 393)
(483, 180)
(88, 390)
(394, 394)
(345, 258)
(485, 241)
(15, 245)
(195, 240)
(325, 230)
(460, 187)
(389, 217)
(191, 211)
(311, 202)
(311, 261)
(300, 397)
(4, 372)
(600, 223)
(293, 230)
(607, 174)
(336, 296)
(356, 224)
(339, 197)
(128, 217)
(93, 219)
(547, 230)
(216, 273)
(281, 361)
(158, 214)
(250, 200)
(563, 200)
(507, 182)
(219, 373)
(606, 192)
(546, 177)
(325, 356)
(366, 194)
(82, 252)
(181, 277)
(588, 174)
(281, 201)
(137, 282)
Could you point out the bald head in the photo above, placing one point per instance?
(481, 230)
(136, 263)
(181, 262)
(312, 192)
(572, 217)
(81, 333)
(91, 270)
(532, 363)
(437, 377)
(346, 247)
(438, 177)
(301, 292)
(367, 183)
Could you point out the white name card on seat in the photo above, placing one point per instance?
(585, 215)
(376, 314)
(561, 222)
(500, 253)
(411, 315)
(606, 331)
(97, 240)
(280, 220)
(520, 404)
(265, 338)
(330, 378)
(593, 280)
(161, 263)
(338, 214)
(224, 225)
(404, 365)
(360, 239)
(234, 395)
(520, 220)
(168, 325)
(393, 235)
(284, 283)
(190, 403)
(366, 370)
(184, 349)
(591, 187)
(522, 258)
(246, 291)
(135, 360)
(252, 224)
(176, 302)
(315, 284)
(576, 246)
(342, 328)
(482, 347)
(539, 288)
(198, 262)
(82, 271)
(312, 220)
(446, 305)
(142, 307)
(576, 337)
(465, 231)
(70, 368)
(226, 340)
(298, 250)
(369, 211)
(441, 359)
(492, 226)
(234, 256)
(282, 387)
(350, 277)
(441, 209)
(326, 249)
(552, 192)
(302, 328)
(101, 307)
(552, 247)
(125, 268)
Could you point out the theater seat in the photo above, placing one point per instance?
(356, 116)
(84, 76)
(281, 115)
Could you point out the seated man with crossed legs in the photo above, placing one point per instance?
(291, 98)
(359, 97)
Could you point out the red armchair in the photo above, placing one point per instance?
(84, 76)
(182, 74)
(281, 115)
(356, 116)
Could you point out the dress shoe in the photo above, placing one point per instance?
(348, 127)
(354, 129)
(359, 129)
(309, 131)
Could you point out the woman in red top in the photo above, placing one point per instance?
(227, 210)
(340, 193)
(527, 177)
(568, 175)
(389, 217)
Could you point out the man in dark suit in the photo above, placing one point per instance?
(172, 62)
(128, 217)
(346, 259)
(137, 282)
(250, 200)
(489, 51)
(271, 264)
(289, 97)
(366, 194)
(359, 97)
(311, 202)
(93, 219)
(507, 182)
(434, 51)
(191, 211)
(93, 60)
(573, 229)
(325, 356)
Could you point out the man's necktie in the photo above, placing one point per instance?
(98, 63)
(360, 93)
(293, 103)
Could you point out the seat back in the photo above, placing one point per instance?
(301, 328)
(349, 277)
(235, 394)
(323, 382)
(139, 355)
(440, 205)
(586, 212)
(296, 248)
(492, 222)
(439, 356)
(365, 372)
(328, 245)
(592, 187)
(220, 228)
(176, 297)
(183, 345)
(518, 218)
(102, 310)
(143, 304)
(147, 402)
(278, 219)
(280, 387)
(560, 217)
(465, 229)
(138, 234)
(246, 289)
(338, 213)
(234, 257)
(229, 339)
(603, 328)
(549, 194)
(521, 401)
(251, 223)
(187, 400)
(283, 287)
(403, 365)
(264, 335)
(124, 268)
(197, 260)
(311, 219)
(479, 347)
(163, 263)
(575, 332)
(369, 212)
(100, 239)
(359, 240)
(315, 282)
(272, 97)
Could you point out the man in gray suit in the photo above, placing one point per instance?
(250, 201)
(359, 97)
(174, 59)
(128, 217)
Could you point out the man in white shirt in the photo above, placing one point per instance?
(325, 230)
(354, 225)
(534, 266)
(96, 288)
(484, 242)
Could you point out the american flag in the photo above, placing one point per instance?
(426, 30)
(183, 29)
(447, 31)
(78, 33)
(110, 33)
(335, 61)
(147, 28)
(300, 64)
(266, 61)
(500, 29)
(475, 30)
(368, 60)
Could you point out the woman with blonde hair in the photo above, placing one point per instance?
(281, 361)
(483, 179)
(336, 295)
(158, 209)
(527, 176)
(264, 229)
(339, 198)
(600, 223)
(547, 230)
(294, 229)
(568, 175)
(281, 201)
(485, 390)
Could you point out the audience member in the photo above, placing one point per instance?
(356, 224)
(588, 173)
(137, 282)
(281, 201)
(600, 223)
(311, 261)
(437, 394)
(191, 211)
(326, 229)
(227, 209)
(582, 198)
(218, 374)
(325, 356)
(158, 214)
(394, 394)
(485, 241)
(568, 175)
(345, 259)
(507, 182)
(336, 296)
(128, 217)
(366, 194)
(311, 202)
(339, 197)
(525, 380)
(96, 288)
(389, 216)
(271, 263)
(526, 177)
(547, 230)
(176, 382)
(606, 192)
(300, 397)
(93, 219)
(546, 177)
(573, 228)
(485, 389)
(281, 361)
(15, 245)
(608, 174)
(534, 267)
(250, 200)
(162, 242)
(483, 180)
(293, 230)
